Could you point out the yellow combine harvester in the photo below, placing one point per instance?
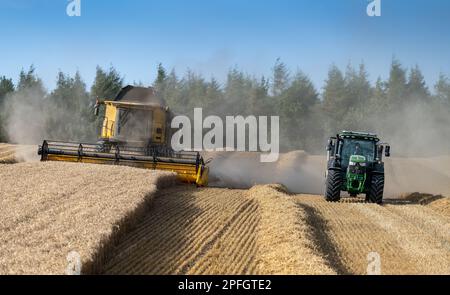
(136, 132)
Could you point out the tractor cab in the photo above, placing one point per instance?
(349, 143)
(359, 147)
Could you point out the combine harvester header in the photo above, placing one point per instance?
(135, 132)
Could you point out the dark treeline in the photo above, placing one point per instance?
(402, 108)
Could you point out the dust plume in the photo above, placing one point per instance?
(416, 130)
(30, 116)
(419, 135)
(297, 171)
(25, 116)
(300, 172)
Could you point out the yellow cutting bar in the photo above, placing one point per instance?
(189, 167)
(186, 172)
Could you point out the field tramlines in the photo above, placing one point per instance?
(190, 231)
(266, 231)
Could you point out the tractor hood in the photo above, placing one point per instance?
(357, 159)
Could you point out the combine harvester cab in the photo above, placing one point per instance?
(135, 132)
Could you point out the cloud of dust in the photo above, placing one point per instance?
(30, 116)
(303, 173)
(27, 153)
(25, 116)
(417, 130)
(298, 171)
(419, 135)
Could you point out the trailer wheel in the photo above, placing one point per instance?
(333, 186)
(375, 194)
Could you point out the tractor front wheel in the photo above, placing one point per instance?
(375, 194)
(333, 186)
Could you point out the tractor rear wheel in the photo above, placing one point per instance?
(333, 186)
(375, 194)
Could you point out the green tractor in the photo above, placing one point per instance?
(355, 165)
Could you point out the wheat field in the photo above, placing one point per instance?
(265, 230)
(51, 209)
(192, 231)
(125, 220)
(410, 238)
(218, 231)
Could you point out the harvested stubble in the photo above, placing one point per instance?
(10, 154)
(410, 238)
(191, 231)
(438, 203)
(7, 154)
(441, 205)
(51, 209)
(219, 231)
(284, 237)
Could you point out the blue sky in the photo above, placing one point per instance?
(210, 36)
